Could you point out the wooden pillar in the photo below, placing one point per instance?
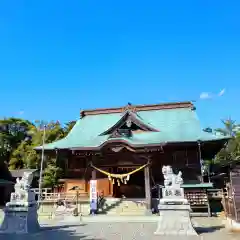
(94, 171)
(57, 157)
(94, 174)
(147, 187)
(200, 160)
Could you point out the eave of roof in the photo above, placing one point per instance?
(136, 141)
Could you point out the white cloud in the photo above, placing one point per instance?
(222, 92)
(205, 95)
(208, 95)
(20, 112)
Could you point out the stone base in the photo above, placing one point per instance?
(175, 220)
(20, 220)
(232, 225)
(166, 201)
(148, 212)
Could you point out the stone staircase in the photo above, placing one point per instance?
(128, 208)
(112, 207)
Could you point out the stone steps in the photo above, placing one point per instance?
(129, 213)
(113, 207)
(128, 208)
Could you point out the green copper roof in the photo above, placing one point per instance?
(174, 125)
(198, 185)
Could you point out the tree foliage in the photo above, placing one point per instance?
(12, 132)
(19, 137)
(230, 128)
(52, 173)
(231, 151)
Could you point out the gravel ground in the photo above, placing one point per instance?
(208, 228)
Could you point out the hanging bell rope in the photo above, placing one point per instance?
(120, 178)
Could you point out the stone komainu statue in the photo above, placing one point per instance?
(171, 179)
(25, 182)
(20, 214)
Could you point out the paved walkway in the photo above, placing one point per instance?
(208, 228)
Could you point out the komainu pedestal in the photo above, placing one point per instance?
(21, 212)
(175, 220)
(174, 209)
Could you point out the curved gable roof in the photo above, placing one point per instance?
(134, 118)
(170, 125)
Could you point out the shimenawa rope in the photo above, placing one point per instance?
(123, 177)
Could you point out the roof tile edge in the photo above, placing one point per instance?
(161, 106)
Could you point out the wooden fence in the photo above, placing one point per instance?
(48, 196)
(231, 198)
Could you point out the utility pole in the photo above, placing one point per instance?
(41, 167)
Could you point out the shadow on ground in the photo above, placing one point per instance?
(201, 230)
(64, 232)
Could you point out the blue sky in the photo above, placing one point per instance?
(58, 57)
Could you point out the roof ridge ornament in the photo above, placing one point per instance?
(129, 108)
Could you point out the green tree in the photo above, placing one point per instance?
(18, 139)
(52, 173)
(12, 132)
(230, 128)
(68, 127)
(232, 149)
(25, 155)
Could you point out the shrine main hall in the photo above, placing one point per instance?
(124, 148)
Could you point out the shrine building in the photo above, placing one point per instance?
(125, 148)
